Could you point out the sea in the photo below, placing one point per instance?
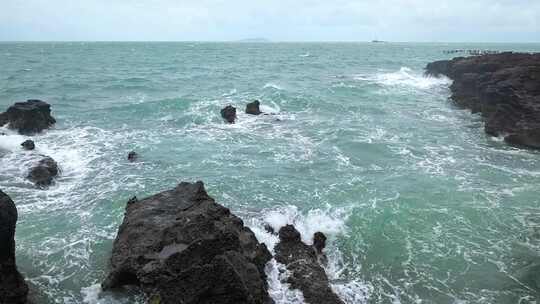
(418, 203)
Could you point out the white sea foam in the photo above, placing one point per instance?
(405, 77)
(272, 86)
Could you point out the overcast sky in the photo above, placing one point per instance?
(276, 20)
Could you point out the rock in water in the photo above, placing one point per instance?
(132, 156)
(43, 173)
(28, 145)
(307, 275)
(504, 87)
(253, 108)
(229, 114)
(180, 246)
(319, 242)
(13, 288)
(29, 117)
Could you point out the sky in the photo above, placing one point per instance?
(275, 20)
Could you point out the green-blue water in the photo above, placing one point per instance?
(420, 205)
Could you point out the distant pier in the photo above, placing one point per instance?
(472, 52)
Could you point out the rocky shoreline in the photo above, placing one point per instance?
(504, 88)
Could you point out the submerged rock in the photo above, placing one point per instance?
(229, 114)
(28, 145)
(504, 88)
(13, 288)
(29, 117)
(132, 156)
(302, 261)
(43, 173)
(180, 246)
(253, 108)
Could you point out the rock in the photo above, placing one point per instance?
(132, 156)
(43, 173)
(3, 119)
(307, 275)
(253, 108)
(504, 88)
(13, 288)
(319, 242)
(180, 246)
(28, 145)
(229, 114)
(29, 117)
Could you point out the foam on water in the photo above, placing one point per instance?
(405, 77)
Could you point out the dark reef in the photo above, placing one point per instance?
(229, 114)
(253, 108)
(44, 172)
(180, 246)
(13, 288)
(29, 117)
(504, 88)
(302, 261)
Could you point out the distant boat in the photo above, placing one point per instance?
(378, 41)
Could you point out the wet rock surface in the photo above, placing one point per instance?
(306, 274)
(180, 246)
(28, 117)
(229, 114)
(28, 145)
(13, 288)
(44, 172)
(504, 88)
(253, 108)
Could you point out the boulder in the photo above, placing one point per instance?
(13, 288)
(319, 242)
(180, 246)
(504, 88)
(306, 274)
(132, 156)
(43, 173)
(253, 108)
(229, 114)
(29, 117)
(28, 145)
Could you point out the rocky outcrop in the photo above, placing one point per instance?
(29, 117)
(13, 288)
(180, 246)
(302, 261)
(132, 156)
(44, 172)
(253, 108)
(229, 114)
(504, 88)
(28, 145)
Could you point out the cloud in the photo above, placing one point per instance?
(397, 20)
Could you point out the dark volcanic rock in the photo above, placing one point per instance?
(307, 274)
(229, 114)
(319, 241)
(132, 156)
(253, 108)
(43, 173)
(504, 88)
(29, 117)
(28, 145)
(13, 288)
(3, 119)
(180, 246)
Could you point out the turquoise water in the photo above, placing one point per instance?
(419, 204)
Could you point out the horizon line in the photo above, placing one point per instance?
(264, 41)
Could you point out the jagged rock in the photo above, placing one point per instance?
(229, 114)
(3, 119)
(13, 288)
(504, 88)
(28, 145)
(307, 275)
(319, 242)
(132, 156)
(43, 173)
(29, 117)
(180, 246)
(253, 108)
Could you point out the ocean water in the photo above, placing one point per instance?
(420, 206)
